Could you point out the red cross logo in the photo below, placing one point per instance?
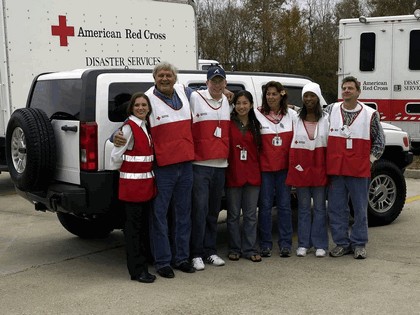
(62, 30)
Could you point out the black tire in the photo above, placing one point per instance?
(85, 228)
(387, 193)
(30, 149)
(415, 148)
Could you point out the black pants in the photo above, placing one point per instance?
(136, 233)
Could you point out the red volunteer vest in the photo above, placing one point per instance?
(275, 157)
(349, 154)
(307, 158)
(171, 129)
(242, 172)
(206, 119)
(137, 182)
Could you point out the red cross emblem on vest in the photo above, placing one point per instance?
(62, 30)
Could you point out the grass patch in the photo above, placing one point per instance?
(416, 163)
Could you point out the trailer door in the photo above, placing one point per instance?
(405, 100)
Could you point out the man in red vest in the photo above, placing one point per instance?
(355, 141)
(170, 128)
(211, 116)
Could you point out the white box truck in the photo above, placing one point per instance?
(49, 35)
(384, 54)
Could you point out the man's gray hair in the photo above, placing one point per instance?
(165, 66)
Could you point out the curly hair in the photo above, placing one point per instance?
(283, 101)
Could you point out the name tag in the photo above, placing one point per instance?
(276, 141)
(349, 144)
(218, 132)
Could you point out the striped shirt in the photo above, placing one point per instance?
(377, 135)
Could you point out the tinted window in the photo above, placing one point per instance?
(294, 95)
(61, 98)
(413, 108)
(414, 59)
(202, 85)
(119, 98)
(371, 105)
(367, 51)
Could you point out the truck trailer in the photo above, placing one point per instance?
(383, 53)
(49, 36)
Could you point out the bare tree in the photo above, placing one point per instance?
(322, 57)
(348, 9)
(391, 7)
(274, 36)
(266, 14)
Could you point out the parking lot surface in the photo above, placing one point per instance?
(46, 270)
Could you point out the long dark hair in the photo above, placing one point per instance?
(303, 112)
(253, 123)
(283, 102)
(133, 101)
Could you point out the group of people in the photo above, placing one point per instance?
(180, 149)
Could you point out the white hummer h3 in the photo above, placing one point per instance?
(58, 148)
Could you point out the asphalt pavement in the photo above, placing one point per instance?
(46, 270)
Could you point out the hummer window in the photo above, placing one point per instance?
(119, 98)
(59, 99)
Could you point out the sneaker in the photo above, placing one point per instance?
(339, 251)
(265, 252)
(285, 252)
(185, 266)
(215, 260)
(320, 252)
(359, 252)
(198, 263)
(301, 251)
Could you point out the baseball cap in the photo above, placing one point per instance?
(214, 72)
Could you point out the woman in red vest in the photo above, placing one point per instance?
(276, 121)
(136, 185)
(308, 172)
(243, 179)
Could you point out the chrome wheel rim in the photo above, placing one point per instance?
(382, 193)
(18, 150)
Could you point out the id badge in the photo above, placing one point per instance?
(276, 141)
(218, 132)
(349, 144)
(345, 130)
(243, 156)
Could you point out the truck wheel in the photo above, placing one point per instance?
(85, 228)
(415, 148)
(387, 193)
(30, 149)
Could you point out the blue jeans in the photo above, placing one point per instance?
(273, 186)
(207, 194)
(174, 184)
(340, 190)
(245, 198)
(312, 229)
